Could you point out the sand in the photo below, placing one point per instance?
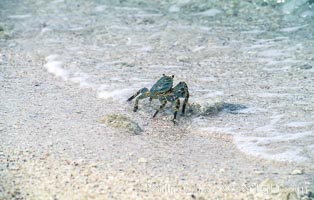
(54, 144)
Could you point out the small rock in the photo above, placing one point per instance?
(297, 172)
(122, 122)
(258, 172)
(183, 59)
(204, 110)
(142, 160)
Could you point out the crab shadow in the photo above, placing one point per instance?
(195, 109)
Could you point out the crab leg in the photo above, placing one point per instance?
(185, 102)
(143, 90)
(163, 104)
(176, 109)
(144, 94)
(133, 96)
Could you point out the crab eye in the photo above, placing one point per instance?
(172, 76)
(163, 74)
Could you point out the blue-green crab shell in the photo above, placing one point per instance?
(179, 91)
(164, 84)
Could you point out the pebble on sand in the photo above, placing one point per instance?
(204, 110)
(122, 122)
(297, 172)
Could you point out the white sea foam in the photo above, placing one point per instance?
(268, 130)
(274, 61)
(293, 29)
(205, 28)
(44, 30)
(307, 13)
(100, 8)
(120, 95)
(282, 147)
(262, 150)
(271, 95)
(251, 110)
(299, 124)
(200, 48)
(212, 94)
(269, 141)
(174, 9)
(258, 46)
(82, 82)
(270, 127)
(253, 31)
(272, 53)
(146, 48)
(55, 68)
(52, 57)
(19, 16)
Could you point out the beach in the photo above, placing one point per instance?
(66, 67)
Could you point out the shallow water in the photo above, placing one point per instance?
(244, 53)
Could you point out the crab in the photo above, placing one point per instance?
(164, 92)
